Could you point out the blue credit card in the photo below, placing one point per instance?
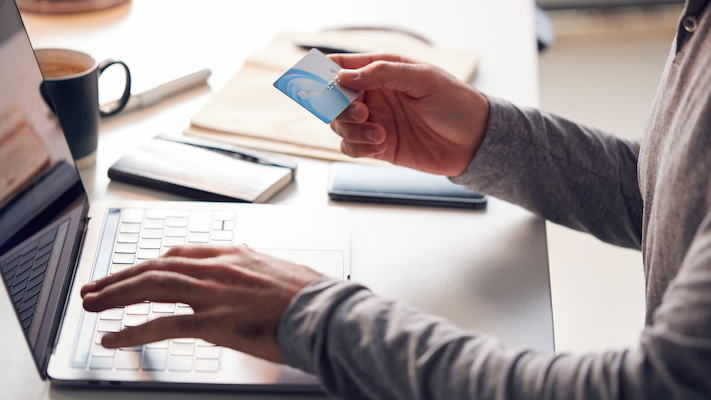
(312, 82)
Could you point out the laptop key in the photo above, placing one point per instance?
(154, 223)
(149, 244)
(173, 241)
(132, 215)
(10, 265)
(113, 314)
(207, 365)
(130, 228)
(24, 267)
(124, 258)
(101, 351)
(182, 349)
(119, 267)
(208, 353)
(163, 307)
(98, 336)
(135, 320)
(176, 221)
(101, 363)
(128, 248)
(200, 221)
(32, 291)
(152, 234)
(18, 287)
(28, 302)
(37, 271)
(176, 232)
(184, 340)
(185, 311)
(21, 276)
(222, 235)
(138, 309)
(128, 360)
(44, 250)
(180, 363)
(109, 326)
(148, 254)
(198, 237)
(127, 238)
(154, 359)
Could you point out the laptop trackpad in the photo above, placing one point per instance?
(326, 262)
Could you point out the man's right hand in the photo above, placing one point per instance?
(410, 114)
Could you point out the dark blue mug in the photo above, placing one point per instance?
(71, 89)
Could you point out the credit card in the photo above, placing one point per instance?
(312, 82)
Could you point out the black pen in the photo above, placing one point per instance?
(323, 49)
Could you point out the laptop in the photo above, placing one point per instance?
(52, 243)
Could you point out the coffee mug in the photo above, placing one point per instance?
(72, 80)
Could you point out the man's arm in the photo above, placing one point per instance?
(418, 116)
(570, 174)
(364, 346)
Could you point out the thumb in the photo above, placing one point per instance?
(415, 80)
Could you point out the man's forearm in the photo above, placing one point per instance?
(568, 173)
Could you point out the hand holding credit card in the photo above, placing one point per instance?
(312, 82)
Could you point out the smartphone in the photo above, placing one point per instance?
(397, 185)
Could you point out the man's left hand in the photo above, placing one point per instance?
(238, 295)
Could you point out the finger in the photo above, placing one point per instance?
(356, 113)
(356, 150)
(155, 331)
(196, 251)
(161, 286)
(358, 60)
(188, 266)
(415, 80)
(367, 133)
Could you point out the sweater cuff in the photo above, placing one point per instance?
(307, 316)
(486, 164)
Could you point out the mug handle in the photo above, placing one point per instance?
(121, 103)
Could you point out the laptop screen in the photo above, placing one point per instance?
(42, 201)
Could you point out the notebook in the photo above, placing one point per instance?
(52, 242)
(204, 169)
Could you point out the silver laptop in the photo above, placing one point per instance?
(52, 243)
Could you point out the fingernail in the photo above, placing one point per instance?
(371, 134)
(349, 74)
(89, 287)
(108, 340)
(353, 113)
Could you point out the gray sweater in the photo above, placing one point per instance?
(654, 196)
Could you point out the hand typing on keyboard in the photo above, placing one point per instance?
(238, 295)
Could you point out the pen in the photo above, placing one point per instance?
(323, 49)
(155, 95)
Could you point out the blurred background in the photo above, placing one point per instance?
(602, 70)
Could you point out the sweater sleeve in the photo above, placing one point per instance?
(364, 346)
(567, 173)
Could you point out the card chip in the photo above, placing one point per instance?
(303, 94)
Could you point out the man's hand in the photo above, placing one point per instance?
(411, 114)
(239, 297)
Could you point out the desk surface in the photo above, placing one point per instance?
(474, 267)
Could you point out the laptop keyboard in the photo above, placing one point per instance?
(24, 274)
(144, 235)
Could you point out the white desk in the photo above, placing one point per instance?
(470, 266)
